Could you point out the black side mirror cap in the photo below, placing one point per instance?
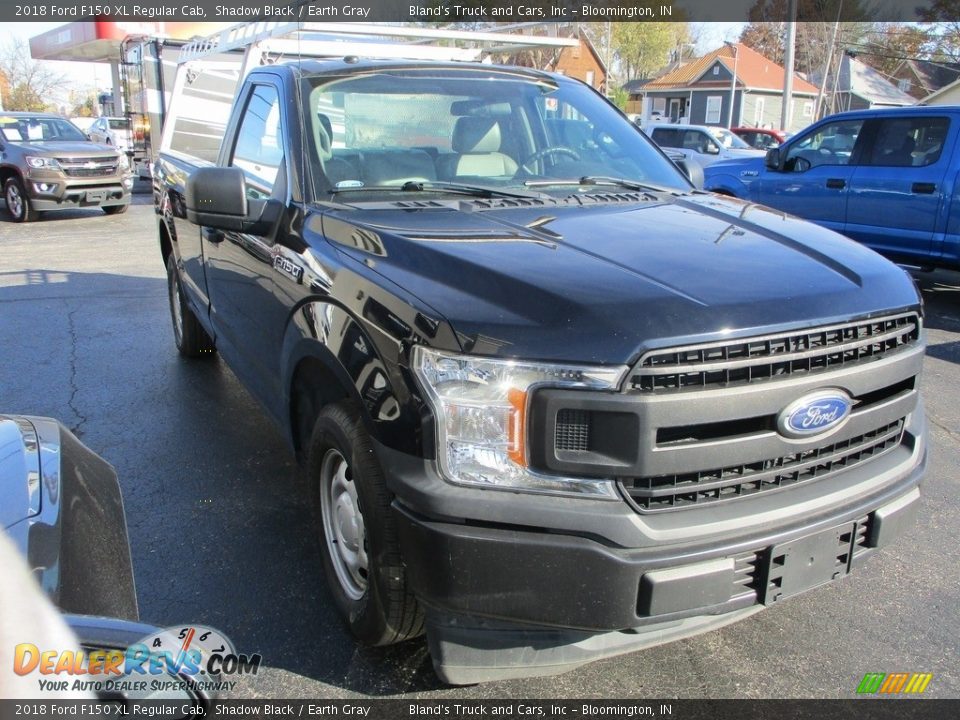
(772, 159)
(217, 197)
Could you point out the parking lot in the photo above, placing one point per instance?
(221, 532)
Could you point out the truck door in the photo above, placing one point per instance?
(814, 179)
(896, 192)
(249, 301)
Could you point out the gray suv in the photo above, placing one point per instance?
(47, 163)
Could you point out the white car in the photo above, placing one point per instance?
(702, 142)
(111, 131)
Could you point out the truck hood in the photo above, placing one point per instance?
(740, 154)
(78, 149)
(603, 282)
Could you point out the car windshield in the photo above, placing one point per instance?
(728, 139)
(119, 124)
(38, 128)
(441, 131)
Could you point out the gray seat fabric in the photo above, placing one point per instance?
(477, 144)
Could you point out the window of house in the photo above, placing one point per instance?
(716, 69)
(758, 111)
(590, 77)
(904, 85)
(808, 110)
(714, 105)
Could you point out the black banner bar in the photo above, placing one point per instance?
(459, 11)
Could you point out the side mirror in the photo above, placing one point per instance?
(772, 160)
(217, 197)
(712, 149)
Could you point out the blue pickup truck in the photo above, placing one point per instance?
(886, 178)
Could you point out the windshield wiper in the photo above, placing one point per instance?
(604, 180)
(446, 187)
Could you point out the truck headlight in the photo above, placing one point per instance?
(481, 406)
(122, 162)
(35, 161)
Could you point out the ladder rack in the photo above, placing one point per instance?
(365, 39)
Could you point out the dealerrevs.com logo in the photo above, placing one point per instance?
(180, 658)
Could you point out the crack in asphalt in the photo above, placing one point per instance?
(949, 431)
(76, 429)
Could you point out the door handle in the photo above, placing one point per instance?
(923, 188)
(212, 235)
(836, 183)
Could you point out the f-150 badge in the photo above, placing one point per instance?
(287, 266)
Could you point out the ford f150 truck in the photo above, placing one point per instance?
(46, 163)
(553, 403)
(887, 178)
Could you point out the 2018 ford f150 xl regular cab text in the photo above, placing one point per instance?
(553, 404)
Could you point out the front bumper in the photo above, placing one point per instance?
(518, 585)
(48, 191)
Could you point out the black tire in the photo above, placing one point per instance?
(191, 339)
(385, 611)
(115, 209)
(18, 204)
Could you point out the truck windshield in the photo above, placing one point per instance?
(25, 128)
(485, 128)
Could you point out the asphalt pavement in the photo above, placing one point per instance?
(221, 531)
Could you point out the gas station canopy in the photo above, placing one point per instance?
(99, 40)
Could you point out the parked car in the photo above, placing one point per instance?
(83, 123)
(759, 138)
(113, 131)
(553, 404)
(47, 163)
(706, 144)
(886, 178)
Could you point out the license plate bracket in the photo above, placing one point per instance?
(95, 196)
(808, 562)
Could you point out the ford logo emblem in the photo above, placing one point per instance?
(815, 414)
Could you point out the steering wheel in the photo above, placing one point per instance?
(540, 154)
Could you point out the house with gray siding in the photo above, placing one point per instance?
(699, 93)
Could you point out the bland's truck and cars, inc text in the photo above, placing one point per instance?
(553, 403)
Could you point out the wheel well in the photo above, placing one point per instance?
(166, 247)
(721, 191)
(6, 173)
(313, 387)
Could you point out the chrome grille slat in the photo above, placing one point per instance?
(668, 492)
(779, 355)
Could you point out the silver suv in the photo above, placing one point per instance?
(706, 144)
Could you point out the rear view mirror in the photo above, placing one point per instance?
(217, 197)
(772, 160)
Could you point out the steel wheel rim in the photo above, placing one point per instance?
(343, 528)
(176, 311)
(14, 200)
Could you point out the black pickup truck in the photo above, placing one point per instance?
(554, 404)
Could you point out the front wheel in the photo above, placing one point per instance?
(191, 339)
(358, 535)
(18, 204)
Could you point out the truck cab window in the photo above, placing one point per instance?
(909, 142)
(830, 144)
(259, 147)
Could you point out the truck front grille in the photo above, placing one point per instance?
(773, 356)
(89, 167)
(666, 492)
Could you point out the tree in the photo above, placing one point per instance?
(887, 44)
(945, 34)
(644, 47)
(29, 83)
